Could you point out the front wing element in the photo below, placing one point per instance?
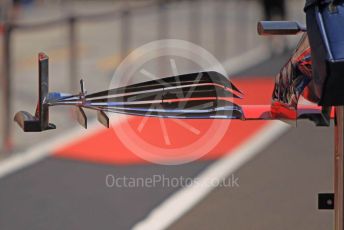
(203, 95)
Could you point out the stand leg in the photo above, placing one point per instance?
(338, 168)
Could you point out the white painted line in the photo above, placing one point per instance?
(36, 153)
(40, 151)
(183, 200)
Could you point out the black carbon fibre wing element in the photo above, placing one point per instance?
(203, 95)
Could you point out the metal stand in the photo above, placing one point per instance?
(338, 168)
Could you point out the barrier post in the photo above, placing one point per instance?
(163, 20)
(195, 18)
(338, 168)
(125, 32)
(6, 88)
(220, 34)
(73, 55)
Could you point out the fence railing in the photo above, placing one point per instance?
(123, 14)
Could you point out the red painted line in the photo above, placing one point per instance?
(104, 146)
